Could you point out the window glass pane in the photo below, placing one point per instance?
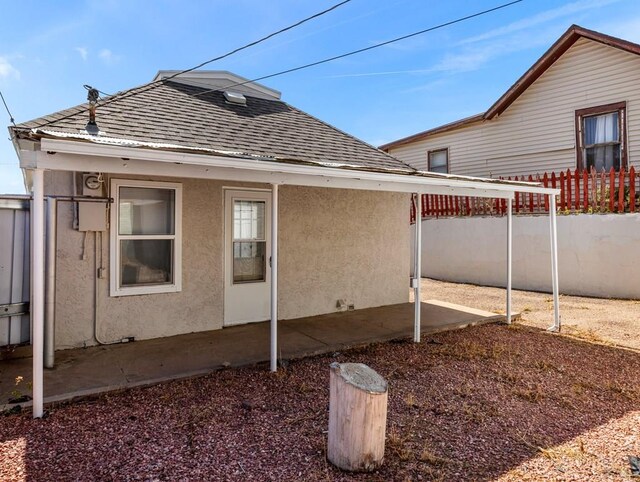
(248, 219)
(603, 157)
(146, 211)
(249, 261)
(438, 161)
(146, 262)
(599, 129)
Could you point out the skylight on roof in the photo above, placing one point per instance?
(235, 98)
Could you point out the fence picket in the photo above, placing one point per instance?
(576, 178)
(562, 191)
(545, 183)
(621, 176)
(585, 190)
(603, 191)
(632, 189)
(569, 199)
(612, 188)
(594, 190)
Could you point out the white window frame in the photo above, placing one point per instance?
(115, 237)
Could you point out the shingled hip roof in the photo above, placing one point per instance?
(172, 115)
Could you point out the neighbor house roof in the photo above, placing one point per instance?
(570, 37)
(174, 115)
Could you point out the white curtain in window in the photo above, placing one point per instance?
(601, 129)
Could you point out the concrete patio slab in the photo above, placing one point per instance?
(85, 371)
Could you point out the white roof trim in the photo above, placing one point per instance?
(220, 80)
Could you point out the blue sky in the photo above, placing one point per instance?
(48, 50)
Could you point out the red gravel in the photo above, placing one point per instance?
(483, 403)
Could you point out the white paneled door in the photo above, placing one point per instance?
(247, 248)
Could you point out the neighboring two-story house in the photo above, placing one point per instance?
(578, 107)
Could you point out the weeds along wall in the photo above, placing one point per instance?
(598, 255)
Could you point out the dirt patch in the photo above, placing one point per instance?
(484, 403)
(608, 321)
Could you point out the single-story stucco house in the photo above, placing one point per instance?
(577, 107)
(202, 200)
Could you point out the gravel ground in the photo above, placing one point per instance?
(609, 321)
(484, 403)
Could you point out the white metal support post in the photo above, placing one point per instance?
(509, 255)
(553, 228)
(417, 272)
(274, 278)
(50, 283)
(37, 295)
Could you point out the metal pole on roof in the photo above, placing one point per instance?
(274, 278)
(553, 227)
(417, 273)
(509, 256)
(37, 292)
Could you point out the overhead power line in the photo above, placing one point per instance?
(128, 94)
(365, 49)
(155, 84)
(7, 108)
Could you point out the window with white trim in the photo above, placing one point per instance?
(146, 237)
(438, 161)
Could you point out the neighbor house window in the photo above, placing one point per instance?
(146, 242)
(601, 137)
(438, 161)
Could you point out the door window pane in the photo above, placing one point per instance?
(249, 261)
(146, 211)
(146, 261)
(248, 219)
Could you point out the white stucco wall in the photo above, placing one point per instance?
(333, 244)
(598, 255)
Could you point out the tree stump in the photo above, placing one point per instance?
(357, 417)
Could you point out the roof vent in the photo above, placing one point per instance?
(235, 98)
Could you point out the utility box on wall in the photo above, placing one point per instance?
(92, 216)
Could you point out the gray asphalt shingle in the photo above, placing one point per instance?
(172, 113)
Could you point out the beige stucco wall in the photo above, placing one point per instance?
(536, 133)
(341, 244)
(334, 244)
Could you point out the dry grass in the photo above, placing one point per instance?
(534, 394)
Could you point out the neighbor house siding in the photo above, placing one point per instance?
(334, 244)
(536, 133)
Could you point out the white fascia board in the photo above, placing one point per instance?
(424, 185)
(154, 170)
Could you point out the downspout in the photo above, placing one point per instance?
(50, 283)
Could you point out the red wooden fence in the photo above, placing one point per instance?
(580, 192)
